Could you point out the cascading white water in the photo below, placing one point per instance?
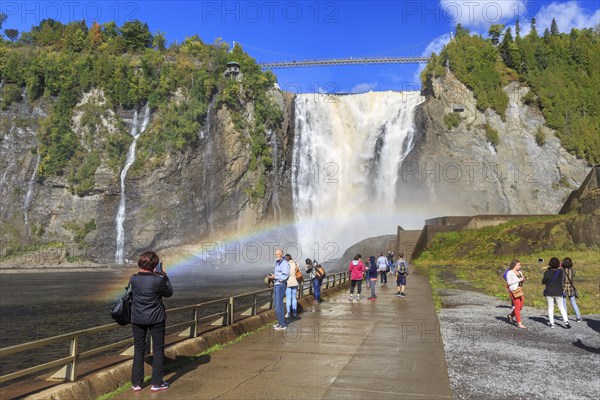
(274, 150)
(348, 151)
(27, 201)
(135, 132)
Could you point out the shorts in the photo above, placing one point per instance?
(401, 280)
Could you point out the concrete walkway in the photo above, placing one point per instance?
(387, 349)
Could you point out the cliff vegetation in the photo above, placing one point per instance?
(561, 69)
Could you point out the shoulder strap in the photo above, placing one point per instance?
(569, 278)
(555, 275)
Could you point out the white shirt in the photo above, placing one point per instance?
(381, 263)
(512, 280)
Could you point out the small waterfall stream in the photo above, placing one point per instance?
(28, 195)
(120, 219)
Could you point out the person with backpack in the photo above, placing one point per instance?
(311, 269)
(515, 279)
(148, 287)
(391, 263)
(372, 277)
(356, 268)
(401, 274)
(553, 279)
(291, 291)
(568, 287)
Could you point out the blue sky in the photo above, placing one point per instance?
(274, 30)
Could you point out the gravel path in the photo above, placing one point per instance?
(489, 358)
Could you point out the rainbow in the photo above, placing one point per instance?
(185, 259)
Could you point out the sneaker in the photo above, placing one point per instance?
(136, 388)
(287, 315)
(351, 298)
(551, 325)
(370, 298)
(398, 294)
(579, 319)
(163, 386)
(403, 294)
(568, 325)
(357, 297)
(280, 328)
(275, 326)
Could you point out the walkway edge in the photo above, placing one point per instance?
(108, 380)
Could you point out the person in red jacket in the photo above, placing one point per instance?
(357, 269)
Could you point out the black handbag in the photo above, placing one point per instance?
(121, 308)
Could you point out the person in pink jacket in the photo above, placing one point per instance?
(357, 269)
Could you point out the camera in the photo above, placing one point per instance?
(159, 268)
(540, 260)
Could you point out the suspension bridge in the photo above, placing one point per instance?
(345, 61)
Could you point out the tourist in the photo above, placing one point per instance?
(553, 279)
(148, 287)
(280, 276)
(401, 274)
(391, 263)
(382, 268)
(291, 291)
(515, 279)
(356, 268)
(372, 277)
(314, 280)
(568, 287)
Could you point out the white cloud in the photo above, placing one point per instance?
(568, 15)
(436, 47)
(364, 87)
(482, 13)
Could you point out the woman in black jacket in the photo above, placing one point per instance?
(553, 279)
(148, 287)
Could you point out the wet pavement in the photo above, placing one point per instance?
(385, 349)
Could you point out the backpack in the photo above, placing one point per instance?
(320, 272)
(402, 266)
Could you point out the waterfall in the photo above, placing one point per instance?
(276, 206)
(135, 133)
(348, 152)
(27, 201)
(206, 131)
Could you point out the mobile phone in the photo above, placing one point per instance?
(159, 267)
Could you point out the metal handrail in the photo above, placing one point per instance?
(228, 317)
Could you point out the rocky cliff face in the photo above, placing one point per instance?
(206, 192)
(200, 193)
(461, 170)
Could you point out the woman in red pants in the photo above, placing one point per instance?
(515, 279)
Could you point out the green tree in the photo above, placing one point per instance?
(12, 34)
(137, 36)
(494, 33)
(554, 28)
(159, 42)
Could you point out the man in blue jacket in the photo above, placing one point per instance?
(280, 277)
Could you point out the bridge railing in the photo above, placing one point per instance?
(221, 312)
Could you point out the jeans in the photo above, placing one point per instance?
(573, 304)
(383, 276)
(291, 301)
(279, 292)
(316, 288)
(559, 304)
(157, 332)
(353, 285)
(372, 283)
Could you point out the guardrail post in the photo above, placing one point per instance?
(71, 374)
(230, 312)
(194, 328)
(254, 305)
